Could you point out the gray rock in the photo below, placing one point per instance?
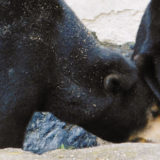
(45, 132)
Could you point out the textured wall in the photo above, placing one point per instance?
(114, 21)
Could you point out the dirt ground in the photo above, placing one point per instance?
(124, 151)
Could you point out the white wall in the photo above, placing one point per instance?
(114, 21)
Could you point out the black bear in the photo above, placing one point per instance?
(50, 62)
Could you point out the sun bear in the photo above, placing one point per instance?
(50, 62)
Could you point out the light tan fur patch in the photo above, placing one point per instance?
(151, 133)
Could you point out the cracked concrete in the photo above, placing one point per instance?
(113, 21)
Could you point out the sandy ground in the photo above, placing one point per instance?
(124, 151)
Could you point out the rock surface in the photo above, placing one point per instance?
(45, 132)
(125, 151)
(113, 21)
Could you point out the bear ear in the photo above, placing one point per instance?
(112, 82)
(148, 65)
(153, 85)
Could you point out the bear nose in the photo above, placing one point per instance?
(115, 83)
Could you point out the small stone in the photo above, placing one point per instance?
(61, 156)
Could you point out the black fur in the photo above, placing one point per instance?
(147, 47)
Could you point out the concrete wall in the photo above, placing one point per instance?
(114, 21)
